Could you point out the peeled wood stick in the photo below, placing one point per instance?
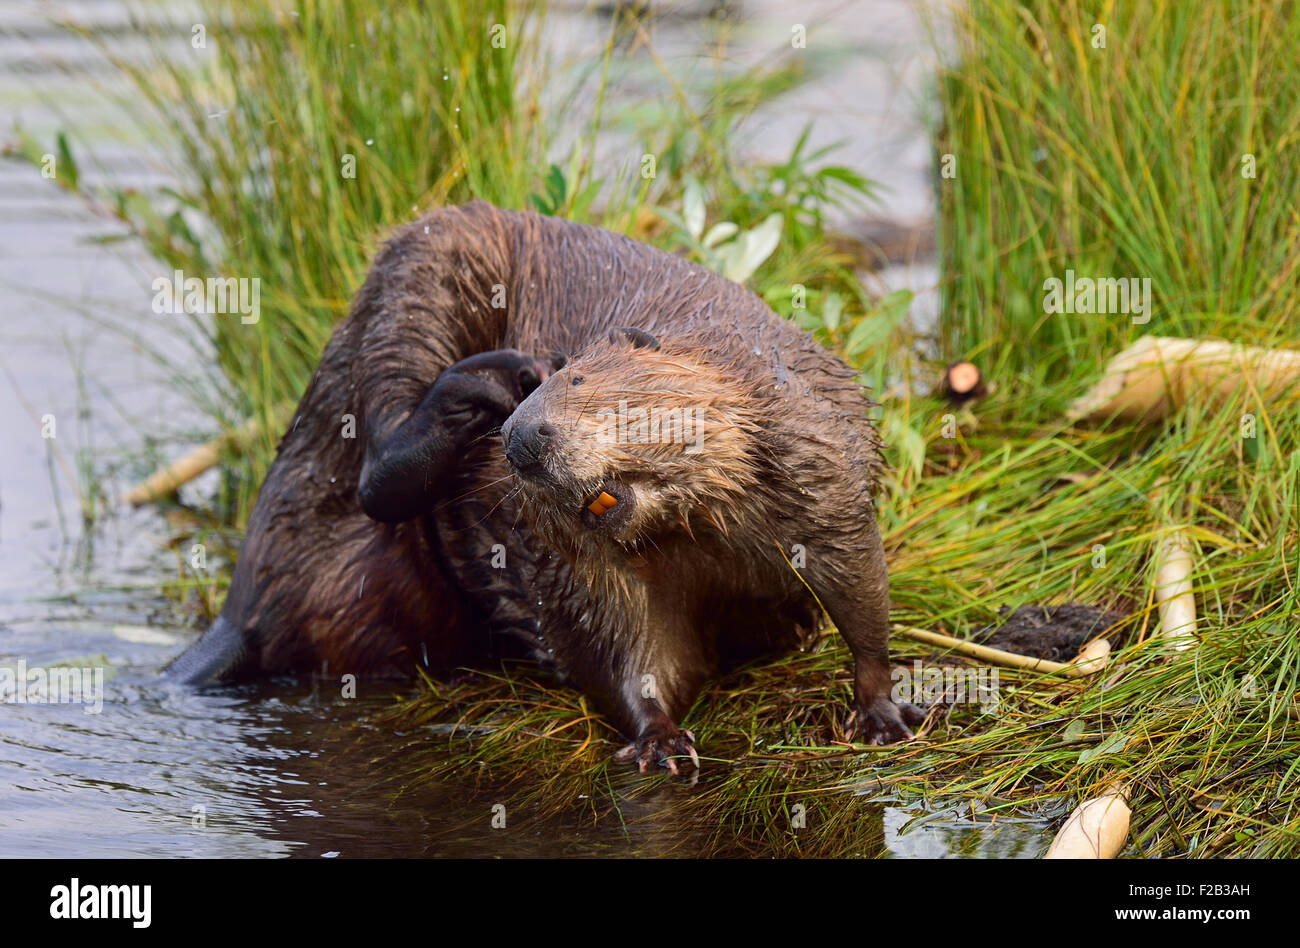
(1096, 829)
(1175, 599)
(997, 656)
(1157, 374)
(169, 479)
(1092, 658)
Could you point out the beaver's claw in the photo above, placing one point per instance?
(884, 721)
(516, 372)
(661, 748)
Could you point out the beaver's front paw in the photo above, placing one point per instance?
(884, 721)
(661, 747)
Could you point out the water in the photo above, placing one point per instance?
(277, 770)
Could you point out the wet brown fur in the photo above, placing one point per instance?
(788, 458)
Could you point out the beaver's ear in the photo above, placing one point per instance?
(639, 338)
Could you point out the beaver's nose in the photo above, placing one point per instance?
(527, 444)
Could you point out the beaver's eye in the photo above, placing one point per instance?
(578, 380)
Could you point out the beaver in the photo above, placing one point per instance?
(537, 432)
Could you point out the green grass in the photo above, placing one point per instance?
(291, 175)
(1122, 162)
(1125, 161)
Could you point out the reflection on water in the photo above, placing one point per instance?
(280, 771)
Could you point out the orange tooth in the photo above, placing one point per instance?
(602, 503)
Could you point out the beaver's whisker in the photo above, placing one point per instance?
(471, 492)
(492, 433)
(503, 499)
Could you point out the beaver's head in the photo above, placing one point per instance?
(632, 436)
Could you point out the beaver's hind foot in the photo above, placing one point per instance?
(405, 473)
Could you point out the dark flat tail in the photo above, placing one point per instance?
(212, 658)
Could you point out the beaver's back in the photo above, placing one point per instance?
(574, 282)
(461, 281)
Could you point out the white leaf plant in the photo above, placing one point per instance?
(726, 248)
